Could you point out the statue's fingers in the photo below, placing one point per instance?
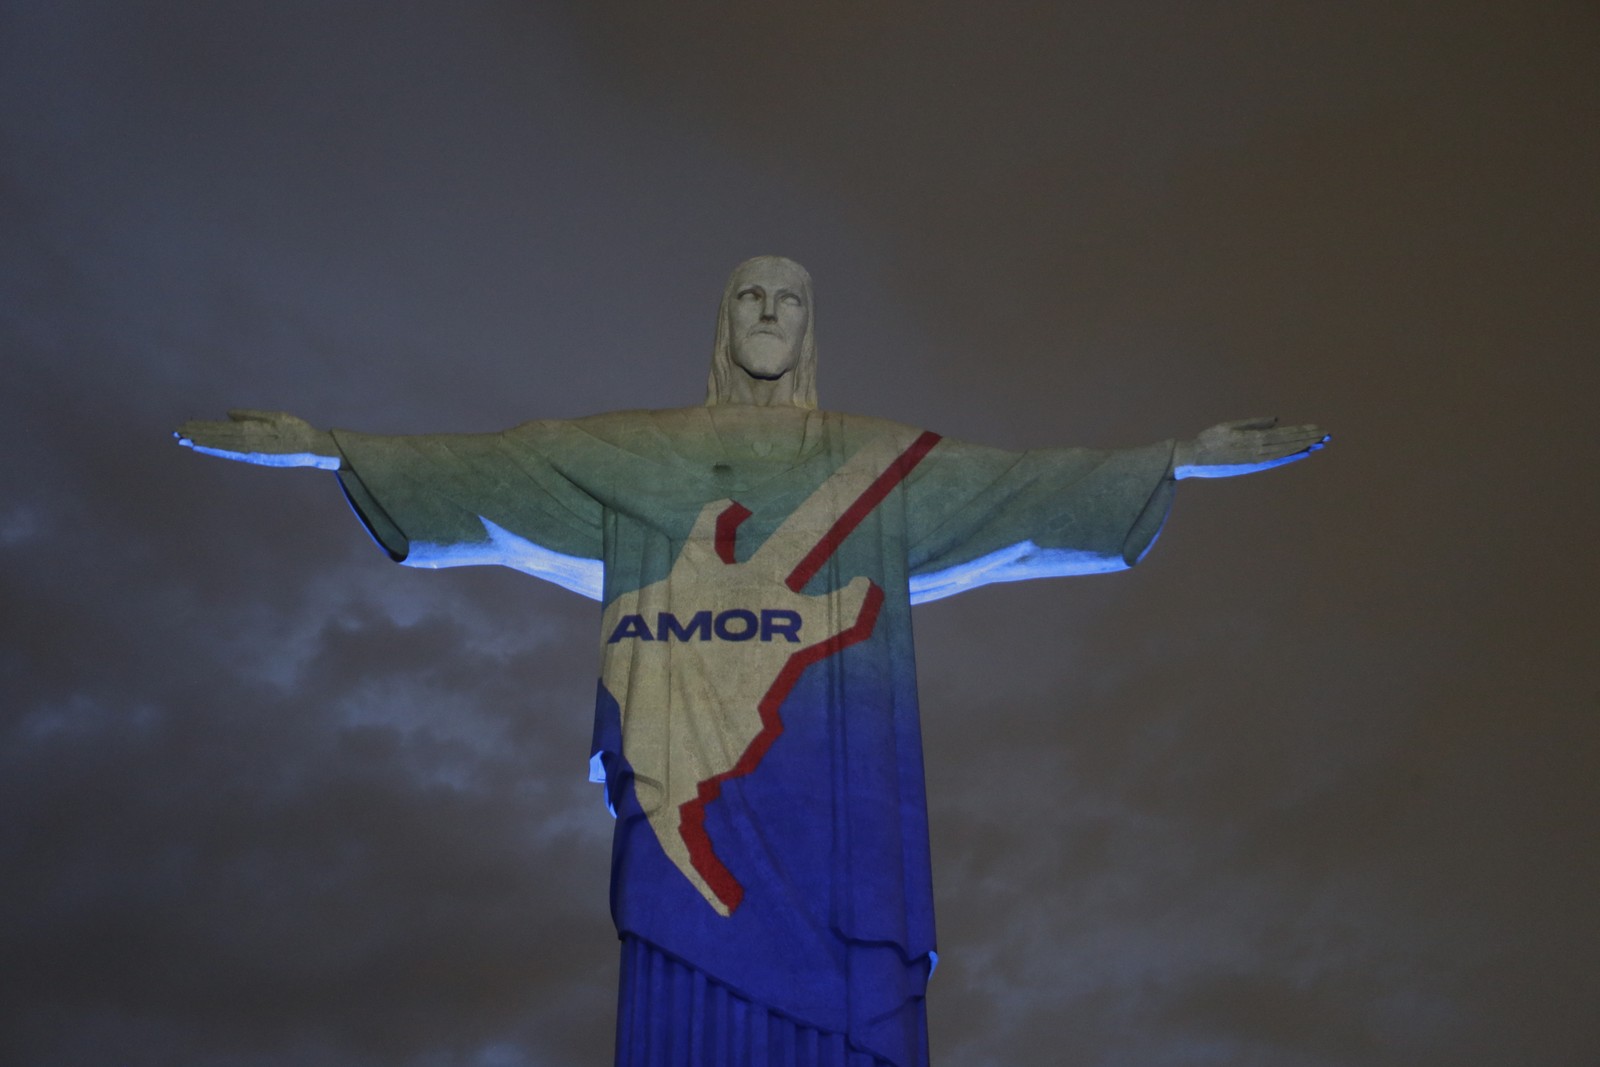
(852, 598)
(1310, 430)
(206, 431)
(1291, 435)
(223, 439)
(1266, 463)
(713, 533)
(1259, 422)
(1279, 461)
(1298, 446)
(1320, 442)
(201, 425)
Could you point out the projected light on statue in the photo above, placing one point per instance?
(756, 727)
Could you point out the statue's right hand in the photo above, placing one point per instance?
(267, 438)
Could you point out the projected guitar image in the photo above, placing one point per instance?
(756, 722)
(701, 662)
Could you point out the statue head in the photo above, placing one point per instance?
(766, 350)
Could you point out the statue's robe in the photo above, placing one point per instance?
(756, 726)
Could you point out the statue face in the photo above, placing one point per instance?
(767, 320)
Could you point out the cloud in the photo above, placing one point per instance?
(1313, 785)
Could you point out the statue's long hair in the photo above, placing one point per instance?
(719, 388)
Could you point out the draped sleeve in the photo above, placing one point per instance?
(978, 515)
(448, 500)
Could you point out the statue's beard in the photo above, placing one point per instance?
(765, 357)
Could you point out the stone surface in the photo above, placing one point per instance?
(756, 723)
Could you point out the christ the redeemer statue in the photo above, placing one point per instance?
(756, 723)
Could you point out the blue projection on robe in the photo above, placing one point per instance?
(756, 728)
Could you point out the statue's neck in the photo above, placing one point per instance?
(778, 431)
(762, 392)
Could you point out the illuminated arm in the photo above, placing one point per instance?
(265, 438)
(1244, 447)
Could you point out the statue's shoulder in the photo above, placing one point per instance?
(866, 426)
(649, 430)
(860, 431)
(642, 424)
(609, 423)
(646, 431)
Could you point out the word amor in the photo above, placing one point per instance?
(735, 624)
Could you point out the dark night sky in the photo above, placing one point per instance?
(1317, 785)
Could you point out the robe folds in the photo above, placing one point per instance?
(756, 726)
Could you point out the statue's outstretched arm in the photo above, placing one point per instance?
(266, 438)
(1244, 447)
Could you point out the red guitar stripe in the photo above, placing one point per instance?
(728, 529)
(692, 813)
(870, 498)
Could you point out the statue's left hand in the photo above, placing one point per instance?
(265, 438)
(1244, 447)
